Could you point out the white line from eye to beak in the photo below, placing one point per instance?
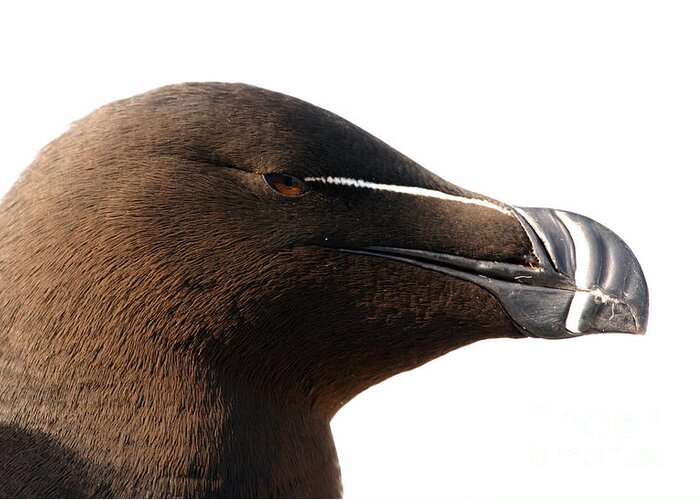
(412, 190)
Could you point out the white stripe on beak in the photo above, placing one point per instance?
(585, 282)
(412, 190)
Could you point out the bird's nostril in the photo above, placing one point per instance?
(532, 261)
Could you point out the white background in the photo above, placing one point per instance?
(592, 107)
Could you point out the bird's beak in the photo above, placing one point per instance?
(606, 290)
(584, 278)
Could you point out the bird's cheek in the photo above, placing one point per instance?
(409, 316)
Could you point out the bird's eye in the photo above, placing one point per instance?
(286, 185)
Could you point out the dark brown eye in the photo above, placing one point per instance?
(286, 184)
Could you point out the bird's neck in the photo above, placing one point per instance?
(168, 430)
(279, 452)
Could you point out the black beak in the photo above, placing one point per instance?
(586, 279)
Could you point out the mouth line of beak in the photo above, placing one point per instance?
(586, 279)
(466, 268)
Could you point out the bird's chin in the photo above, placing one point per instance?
(586, 279)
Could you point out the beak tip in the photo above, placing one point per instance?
(602, 313)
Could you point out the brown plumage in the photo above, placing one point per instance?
(172, 326)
